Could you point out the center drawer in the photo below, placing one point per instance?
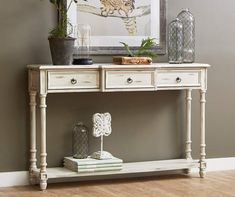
(73, 79)
(129, 79)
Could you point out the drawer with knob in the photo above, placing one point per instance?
(176, 78)
(130, 79)
(73, 80)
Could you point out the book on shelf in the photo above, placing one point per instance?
(92, 165)
(74, 166)
(91, 161)
(101, 169)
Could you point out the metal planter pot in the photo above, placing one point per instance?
(62, 50)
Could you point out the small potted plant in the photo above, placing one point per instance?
(61, 44)
(143, 55)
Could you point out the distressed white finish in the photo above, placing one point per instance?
(44, 79)
(43, 154)
(73, 80)
(185, 78)
(203, 139)
(188, 149)
(19, 178)
(134, 167)
(129, 79)
(33, 150)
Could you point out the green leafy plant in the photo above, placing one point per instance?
(143, 50)
(60, 31)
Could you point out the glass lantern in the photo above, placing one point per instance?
(80, 141)
(82, 56)
(188, 22)
(175, 42)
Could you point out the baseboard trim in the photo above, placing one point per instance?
(20, 178)
(219, 164)
(17, 178)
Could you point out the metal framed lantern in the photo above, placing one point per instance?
(80, 141)
(188, 22)
(175, 42)
(82, 57)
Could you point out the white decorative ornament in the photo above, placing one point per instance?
(101, 128)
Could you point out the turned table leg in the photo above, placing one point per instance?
(202, 161)
(188, 149)
(33, 150)
(43, 164)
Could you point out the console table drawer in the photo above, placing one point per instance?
(129, 79)
(73, 80)
(178, 78)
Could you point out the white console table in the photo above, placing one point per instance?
(47, 79)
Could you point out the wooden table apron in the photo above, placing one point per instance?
(44, 79)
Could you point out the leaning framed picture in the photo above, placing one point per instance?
(115, 21)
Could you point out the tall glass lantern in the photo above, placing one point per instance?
(82, 56)
(188, 21)
(175, 42)
(80, 141)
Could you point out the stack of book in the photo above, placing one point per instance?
(92, 165)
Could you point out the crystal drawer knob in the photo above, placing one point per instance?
(178, 79)
(129, 80)
(73, 81)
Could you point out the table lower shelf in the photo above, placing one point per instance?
(128, 168)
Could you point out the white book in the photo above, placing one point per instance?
(74, 166)
(95, 170)
(91, 161)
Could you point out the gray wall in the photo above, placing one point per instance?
(146, 126)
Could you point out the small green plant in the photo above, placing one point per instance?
(60, 31)
(143, 50)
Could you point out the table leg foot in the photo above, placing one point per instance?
(43, 185)
(202, 173)
(202, 169)
(188, 171)
(43, 181)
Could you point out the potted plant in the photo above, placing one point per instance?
(61, 44)
(143, 55)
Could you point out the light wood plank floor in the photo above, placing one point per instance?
(219, 184)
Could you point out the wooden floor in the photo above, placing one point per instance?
(220, 184)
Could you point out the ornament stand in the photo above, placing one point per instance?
(102, 126)
(102, 155)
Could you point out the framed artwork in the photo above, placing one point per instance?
(115, 21)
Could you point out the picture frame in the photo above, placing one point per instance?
(109, 24)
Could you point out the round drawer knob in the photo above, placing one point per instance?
(178, 79)
(129, 80)
(73, 81)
